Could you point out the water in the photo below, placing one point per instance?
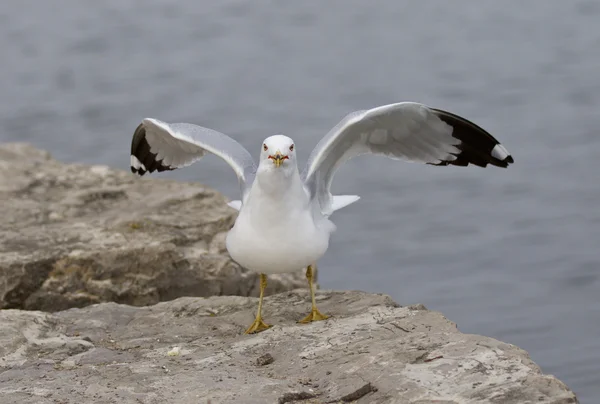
(511, 254)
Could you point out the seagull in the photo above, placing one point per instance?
(283, 224)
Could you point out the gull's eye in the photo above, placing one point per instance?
(292, 148)
(265, 148)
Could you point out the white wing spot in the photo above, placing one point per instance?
(499, 152)
(135, 163)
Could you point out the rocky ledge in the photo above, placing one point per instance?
(73, 235)
(193, 350)
(108, 256)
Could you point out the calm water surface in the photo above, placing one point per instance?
(511, 254)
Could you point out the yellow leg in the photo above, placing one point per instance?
(315, 314)
(259, 325)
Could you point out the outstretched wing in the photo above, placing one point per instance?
(408, 131)
(159, 146)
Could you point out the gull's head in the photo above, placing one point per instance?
(278, 152)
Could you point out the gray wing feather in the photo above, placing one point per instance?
(406, 131)
(160, 146)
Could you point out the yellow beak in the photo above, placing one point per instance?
(278, 158)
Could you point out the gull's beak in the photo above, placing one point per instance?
(278, 158)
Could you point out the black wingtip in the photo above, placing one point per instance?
(477, 146)
(138, 171)
(142, 159)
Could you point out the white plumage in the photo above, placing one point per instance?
(283, 224)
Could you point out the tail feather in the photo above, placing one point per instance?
(341, 201)
(338, 202)
(237, 205)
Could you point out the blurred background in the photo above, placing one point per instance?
(511, 254)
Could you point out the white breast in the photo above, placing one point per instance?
(276, 233)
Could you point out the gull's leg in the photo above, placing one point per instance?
(259, 325)
(315, 314)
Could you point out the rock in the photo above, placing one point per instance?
(369, 351)
(73, 235)
(265, 360)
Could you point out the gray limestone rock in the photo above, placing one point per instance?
(73, 235)
(193, 350)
